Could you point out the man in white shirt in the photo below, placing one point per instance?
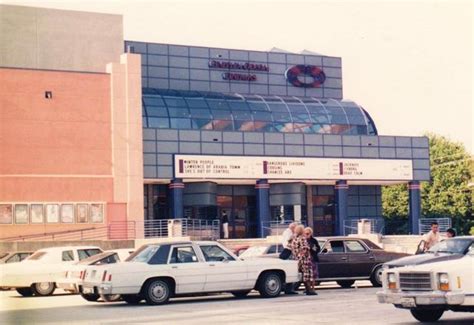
(288, 235)
(433, 237)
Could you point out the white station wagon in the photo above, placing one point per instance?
(37, 274)
(157, 272)
(430, 289)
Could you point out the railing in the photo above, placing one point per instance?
(194, 228)
(425, 224)
(276, 228)
(351, 226)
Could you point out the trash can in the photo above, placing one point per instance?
(175, 228)
(363, 227)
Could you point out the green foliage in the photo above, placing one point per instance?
(447, 195)
(471, 232)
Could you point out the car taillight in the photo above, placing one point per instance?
(110, 277)
(67, 274)
(104, 275)
(82, 275)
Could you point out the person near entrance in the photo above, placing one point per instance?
(433, 237)
(225, 224)
(302, 253)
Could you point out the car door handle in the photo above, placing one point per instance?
(344, 258)
(212, 264)
(372, 258)
(174, 267)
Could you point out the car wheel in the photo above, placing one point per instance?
(345, 283)
(43, 288)
(132, 299)
(376, 277)
(157, 292)
(110, 298)
(25, 292)
(92, 297)
(240, 294)
(270, 285)
(427, 315)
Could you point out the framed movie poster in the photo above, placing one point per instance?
(67, 213)
(81, 213)
(36, 213)
(52, 213)
(21, 214)
(6, 214)
(97, 213)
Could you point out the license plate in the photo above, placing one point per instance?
(87, 291)
(408, 302)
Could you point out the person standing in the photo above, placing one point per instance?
(314, 250)
(225, 224)
(287, 236)
(451, 233)
(433, 237)
(302, 253)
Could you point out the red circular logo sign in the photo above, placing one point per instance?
(316, 73)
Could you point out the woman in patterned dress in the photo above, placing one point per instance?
(302, 253)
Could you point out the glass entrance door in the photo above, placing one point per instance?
(324, 215)
(241, 212)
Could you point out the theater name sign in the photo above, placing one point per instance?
(242, 167)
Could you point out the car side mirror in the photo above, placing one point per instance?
(324, 251)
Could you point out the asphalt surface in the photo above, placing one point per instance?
(333, 305)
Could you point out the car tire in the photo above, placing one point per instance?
(376, 277)
(240, 294)
(25, 292)
(110, 298)
(427, 315)
(270, 285)
(157, 292)
(132, 299)
(345, 283)
(92, 297)
(43, 288)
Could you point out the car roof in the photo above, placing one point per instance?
(52, 249)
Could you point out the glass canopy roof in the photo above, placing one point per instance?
(171, 109)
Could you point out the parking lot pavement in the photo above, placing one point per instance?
(332, 305)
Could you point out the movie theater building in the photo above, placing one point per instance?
(98, 130)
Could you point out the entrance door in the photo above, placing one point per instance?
(242, 215)
(324, 215)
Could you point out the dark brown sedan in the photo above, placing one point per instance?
(342, 259)
(347, 259)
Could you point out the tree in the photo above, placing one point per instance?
(447, 194)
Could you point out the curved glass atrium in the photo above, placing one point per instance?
(170, 109)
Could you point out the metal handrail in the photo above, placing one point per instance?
(47, 234)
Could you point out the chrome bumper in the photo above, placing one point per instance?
(101, 289)
(410, 299)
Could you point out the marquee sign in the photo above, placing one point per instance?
(243, 167)
(248, 66)
(293, 73)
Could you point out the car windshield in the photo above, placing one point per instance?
(143, 254)
(453, 246)
(254, 251)
(37, 256)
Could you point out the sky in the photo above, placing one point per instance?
(408, 63)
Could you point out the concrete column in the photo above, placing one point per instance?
(176, 191)
(414, 206)
(340, 192)
(263, 206)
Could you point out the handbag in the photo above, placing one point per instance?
(285, 254)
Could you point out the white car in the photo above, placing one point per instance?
(430, 289)
(68, 280)
(37, 274)
(157, 272)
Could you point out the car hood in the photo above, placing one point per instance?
(423, 259)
